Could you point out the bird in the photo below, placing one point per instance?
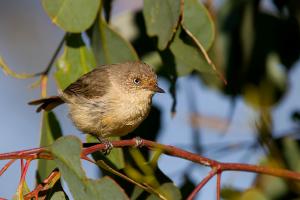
(110, 100)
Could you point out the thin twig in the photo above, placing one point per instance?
(6, 166)
(211, 174)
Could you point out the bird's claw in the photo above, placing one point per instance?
(138, 142)
(108, 145)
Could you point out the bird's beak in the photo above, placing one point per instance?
(158, 89)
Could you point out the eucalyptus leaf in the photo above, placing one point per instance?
(109, 46)
(198, 21)
(72, 15)
(162, 18)
(187, 56)
(169, 191)
(50, 131)
(76, 60)
(66, 151)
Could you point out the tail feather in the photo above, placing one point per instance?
(47, 103)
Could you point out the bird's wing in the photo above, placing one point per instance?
(93, 84)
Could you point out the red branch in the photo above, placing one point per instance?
(217, 167)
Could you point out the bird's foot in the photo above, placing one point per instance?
(108, 145)
(138, 142)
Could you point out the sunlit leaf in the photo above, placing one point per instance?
(109, 46)
(161, 18)
(50, 131)
(169, 191)
(76, 60)
(66, 151)
(198, 21)
(72, 15)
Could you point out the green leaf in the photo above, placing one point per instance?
(75, 61)
(109, 46)
(187, 57)
(169, 191)
(60, 195)
(251, 194)
(50, 131)
(199, 22)
(162, 18)
(66, 151)
(72, 15)
(291, 152)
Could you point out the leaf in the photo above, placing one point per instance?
(169, 191)
(291, 153)
(72, 15)
(60, 195)
(198, 21)
(109, 46)
(75, 61)
(187, 57)
(252, 194)
(162, 18)
(50, 131)
(66, 151)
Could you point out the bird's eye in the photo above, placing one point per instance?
(137, 81)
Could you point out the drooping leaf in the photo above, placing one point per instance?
(109, 46)
(162, 18)
(72, 15)
(76, 60)
(50, 131)
(187, 56)
(169, 191)
(198, 21)
(66, 151)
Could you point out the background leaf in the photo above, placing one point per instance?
(50, 131)
(67, 156)
(187, 57)
(109, 46)
(198, 21)
(168, 190)
(76, 60)
(72, 15)
(161, 18)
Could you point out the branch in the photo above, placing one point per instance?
(217, 167)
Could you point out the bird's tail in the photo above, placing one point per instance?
(47, 103)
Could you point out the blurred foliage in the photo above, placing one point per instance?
(253, 47)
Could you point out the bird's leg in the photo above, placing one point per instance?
(108, 145)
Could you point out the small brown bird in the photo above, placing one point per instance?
(111, 100)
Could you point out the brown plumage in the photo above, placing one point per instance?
(111, 100)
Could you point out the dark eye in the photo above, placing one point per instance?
(137, 81)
